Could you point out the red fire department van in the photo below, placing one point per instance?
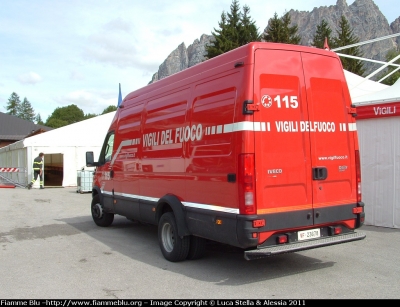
(256, 148)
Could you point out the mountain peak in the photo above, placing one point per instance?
(364, 17)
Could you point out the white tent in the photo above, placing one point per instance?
(378, 125)
(386, 94)
(360, 87)
(64, 150)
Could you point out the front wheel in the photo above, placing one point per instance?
(100, 217)
(173, 247)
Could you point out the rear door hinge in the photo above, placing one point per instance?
(249, 107)
(352, 110)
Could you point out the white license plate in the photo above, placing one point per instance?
(308, 234)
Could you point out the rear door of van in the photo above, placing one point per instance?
(304, 153)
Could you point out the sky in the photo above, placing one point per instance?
(62, 52)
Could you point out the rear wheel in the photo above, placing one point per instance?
(100, 217)
(173, 247)
(197, 248)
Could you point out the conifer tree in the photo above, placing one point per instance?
(221, 42)
(290, 32)
(26, 111)
(323, 31)
(248, 31)
(235, 29)
(280, 31)
(13, 104)
(38, 120)
(346, 37)
(234, 25)
(274, 29)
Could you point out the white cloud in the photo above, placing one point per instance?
(116, 44)
(110, 48)
(29, 78)
(171, 32)
(90, 101)
(118, 25)
(76, 75)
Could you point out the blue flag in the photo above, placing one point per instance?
(119, 96)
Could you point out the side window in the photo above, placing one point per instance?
(106, 151)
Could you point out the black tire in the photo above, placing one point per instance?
(101, 218)
(197, 248)
(173, 247)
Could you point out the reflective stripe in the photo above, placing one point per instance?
(240, 126)
(211, 207)
(186, 204)
(352, 127)
(37, 163)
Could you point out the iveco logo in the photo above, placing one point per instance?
(275, 171)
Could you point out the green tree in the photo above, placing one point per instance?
(90, 115)
(248, 32)
(323, 31)
(220, 43)
(280, 31)
(346, 37)
(110, 108)
(391, 54)
(13, 104)
(65, 116)
(38, 120)
(290, 32)
(235, 29)
(274, 29)
(26, 111)
(234, 25)
(56, 123)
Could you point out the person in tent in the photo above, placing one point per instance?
(37, 171)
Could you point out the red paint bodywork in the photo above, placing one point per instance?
(184, 135)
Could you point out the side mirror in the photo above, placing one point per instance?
(90, 159)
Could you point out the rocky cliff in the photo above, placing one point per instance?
(364, 17)
(183, 57)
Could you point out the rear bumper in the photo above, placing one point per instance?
(264, 252)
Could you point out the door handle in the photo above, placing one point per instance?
(319, 173)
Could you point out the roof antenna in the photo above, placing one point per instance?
(119, 96)
(326, 46)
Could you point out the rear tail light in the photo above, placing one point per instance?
(258, 223)
(246, 172)
(335, 230)
(358, 175)
(281, 239)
